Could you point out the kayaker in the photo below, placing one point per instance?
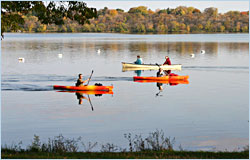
(160, 73)
(80, 81)
(139, 60)
(167, 62)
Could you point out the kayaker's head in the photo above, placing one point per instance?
(166, 57)
(80, 76)
(138, 56)
(160, 69)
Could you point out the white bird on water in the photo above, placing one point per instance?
(203, 52)
(60, 55)
(98, 51)
(192, 55)
(21, 59)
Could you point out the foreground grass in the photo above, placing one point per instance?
(10, 154)
(155, 146)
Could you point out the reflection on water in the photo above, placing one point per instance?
(84, 95)
(144, 48)
(80, 97)
(138, 72)
(211, 111)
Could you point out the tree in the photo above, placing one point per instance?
(30, 23)
(113, 12)
(119, 10)
(52, 13)
(211, 11)
(141, 9)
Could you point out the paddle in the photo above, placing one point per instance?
(91, 104)
(90, 77)
(157, 65)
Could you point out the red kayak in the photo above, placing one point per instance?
(185, 81)
(164, 78)
(84, 88)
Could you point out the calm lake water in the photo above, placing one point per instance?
(209, 113)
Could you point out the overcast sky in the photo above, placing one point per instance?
(223, 6)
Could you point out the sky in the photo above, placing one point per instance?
(223, 6)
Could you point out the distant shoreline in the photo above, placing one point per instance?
(139, 33)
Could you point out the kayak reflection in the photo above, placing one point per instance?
(170, 80)
(138, 72)
(81, 95)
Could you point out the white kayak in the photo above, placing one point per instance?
(133, 67)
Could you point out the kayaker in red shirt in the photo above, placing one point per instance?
(168, 62)
(80, 81)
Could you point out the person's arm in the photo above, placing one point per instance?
(85, 80)
(86, 98)
(136, 62)
(166, 62)
(141, 60)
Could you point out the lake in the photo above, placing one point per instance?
(209, 113)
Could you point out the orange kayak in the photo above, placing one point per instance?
(90, 92)
(164, 78)
(84, 88)
(185, 81)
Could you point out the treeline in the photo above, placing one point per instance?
(143, 20)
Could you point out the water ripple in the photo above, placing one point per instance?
(36, 82)
(216, 67)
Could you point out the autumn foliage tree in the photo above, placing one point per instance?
(139, 19)
(13, 12)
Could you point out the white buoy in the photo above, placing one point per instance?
(203, 52)
(21, 60)
(60, 55)
(98, 51)
(192, 55)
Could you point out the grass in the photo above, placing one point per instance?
(125, 155)
(154, 146)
